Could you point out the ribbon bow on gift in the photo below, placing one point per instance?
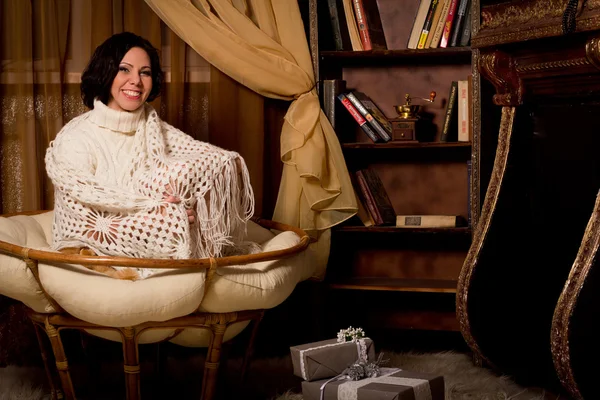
(361, 369)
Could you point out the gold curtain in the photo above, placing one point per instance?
(261, 44)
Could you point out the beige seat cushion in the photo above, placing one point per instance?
(16, 280)
(102, 300)
(252, 286)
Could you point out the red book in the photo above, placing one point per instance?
(448, 25)
(359, 118)
(361, 21)
(369, 24)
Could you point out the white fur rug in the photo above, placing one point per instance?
(273, 379)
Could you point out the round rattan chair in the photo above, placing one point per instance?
(35, 275)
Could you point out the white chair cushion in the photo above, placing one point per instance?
(16, 280)
(97, 298)
(258, 285)
(252, 286)
(100, 299)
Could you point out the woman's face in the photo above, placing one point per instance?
(133, 83)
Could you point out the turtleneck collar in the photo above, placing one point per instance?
(119, 121)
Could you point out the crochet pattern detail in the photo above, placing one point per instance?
(133, 219)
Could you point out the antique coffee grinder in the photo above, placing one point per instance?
(411, 125)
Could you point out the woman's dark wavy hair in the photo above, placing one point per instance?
(98, 76)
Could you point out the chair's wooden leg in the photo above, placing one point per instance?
(131, 364)
(56, 392)
(250, 348)
(61, 360)
(211, 366)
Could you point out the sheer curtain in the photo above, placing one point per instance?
(45, 44)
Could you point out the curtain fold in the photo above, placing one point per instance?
(268, 52)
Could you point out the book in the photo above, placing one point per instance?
(436, 19)
(331, 89)
(363, 213)
(369, 24)
(427, 24)
(359, 118)
(459, 21)
(465, 38)
(464, 111)
(368, 200)
(352, 27)
(374, 110)
(444, 41)
(450, 127)
(339, 26)
(415, 34)
(430, 221)
(439, 29)
(378, 202)
(375, 124)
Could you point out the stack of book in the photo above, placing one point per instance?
(375, 207)
(441, 23)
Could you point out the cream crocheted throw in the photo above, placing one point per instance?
(136, 221)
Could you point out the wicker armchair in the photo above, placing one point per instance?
(196, 302)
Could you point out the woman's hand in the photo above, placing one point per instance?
(177, 200)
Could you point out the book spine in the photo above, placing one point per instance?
(459, 24)
(427, 24)
(351, 24)
(335, 25)
(436, 19)
(363, 26)
(466, 33)
(413, 39)
(367, 115)
(448, 24)
(331, 89)
(463, 111)
(439, 29)
(450, 112)
(359, 118)
(429, 221)
(380, 197)
(368, 196)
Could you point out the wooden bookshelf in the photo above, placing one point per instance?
(443, 55)
(392, 230)
(401, 145)
(420, 178)
(401, 285)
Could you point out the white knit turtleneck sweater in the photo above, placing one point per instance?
(101, 142)
(112, 171)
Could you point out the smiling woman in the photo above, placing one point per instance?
(44, 47)
(127, 183)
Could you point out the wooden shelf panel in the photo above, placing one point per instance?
(403, 231)
(429, 320)
(441, 53)
(401, 285)
(401, 145)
